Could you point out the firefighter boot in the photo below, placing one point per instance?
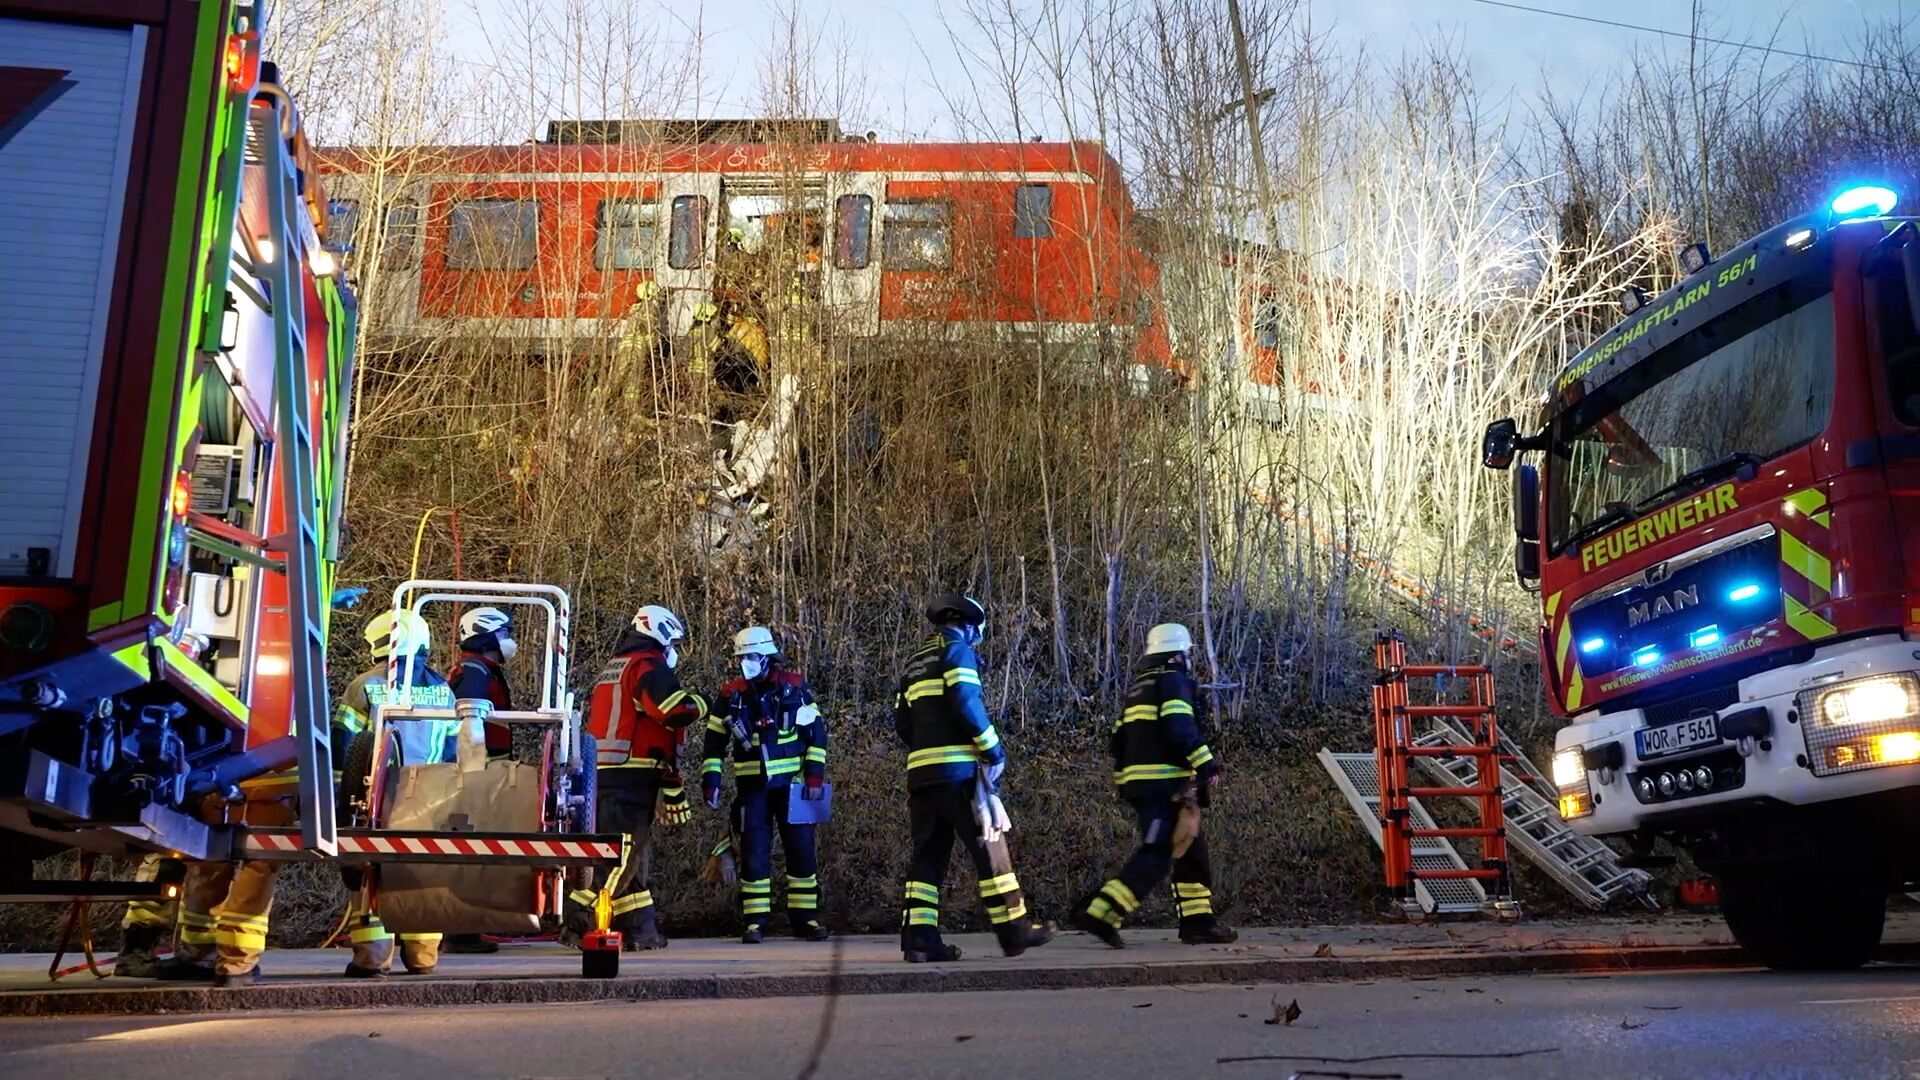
(811, 930)
(228, 980)
(646, 934)
(1019, 938)
(931, 953)
(1207, 933)
(136, 959)
(1108, 933)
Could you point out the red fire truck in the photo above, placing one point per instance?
(1722, 527)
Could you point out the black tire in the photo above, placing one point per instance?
(350, 802)
(1804, 919)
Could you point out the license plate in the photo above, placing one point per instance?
(1673, 738)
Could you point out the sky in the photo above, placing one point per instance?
(905, 52)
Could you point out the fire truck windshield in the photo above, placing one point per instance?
(1751, 383)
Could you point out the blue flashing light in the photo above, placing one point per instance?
(1866, 200)
(1743, 592)
(1704, 637)
(1593, 645)
(1646, 656)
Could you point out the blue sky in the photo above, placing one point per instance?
(904, 50)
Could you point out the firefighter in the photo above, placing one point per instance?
(1164, 769)
(224, 907)
(420, 742)
(768, 716)
(486, 644)
(637, 714)
(951, 748)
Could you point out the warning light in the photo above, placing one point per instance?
(182, 494)
(1743, 592)
(242, 62)
(1866, 200)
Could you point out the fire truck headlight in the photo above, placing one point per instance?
(1862, 723)
(1570, 779)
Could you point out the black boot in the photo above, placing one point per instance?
(1100, 928)
(1208, 933)
(810, 930)
(938, 952)
(471, 944)
(355, 971)
(178, 970)
(136, 959)
(754, 936)
(1031, 936)
(245, 978)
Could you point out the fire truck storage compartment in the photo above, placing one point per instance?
(504, 797)
(66, 130)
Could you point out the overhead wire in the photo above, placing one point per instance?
(1663, 32)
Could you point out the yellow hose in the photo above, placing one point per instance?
(419, 536)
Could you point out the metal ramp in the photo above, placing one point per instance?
(1587, 868)
(1358, 777)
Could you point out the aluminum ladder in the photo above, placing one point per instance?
(1587, 868)
(1358, 778)
(295, 454)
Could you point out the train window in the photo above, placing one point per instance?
(853, 235)
(919, 235)
(687, 233)
(401, 244)
(493, 234)
(625, 231)
(1033, 211)
(1266, 324)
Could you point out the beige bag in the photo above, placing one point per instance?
(420, 898)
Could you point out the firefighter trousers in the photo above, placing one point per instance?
(223, 915)
(937, 815)
(373, 943)
(625, 804)
(148, 920)
(757, 814)
(1151, 863)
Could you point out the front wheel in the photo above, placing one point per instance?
(1804, 919)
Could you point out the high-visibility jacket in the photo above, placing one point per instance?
(638, 710)
(942, 715)
(422, 742)
(776, 711)
(1157, 744)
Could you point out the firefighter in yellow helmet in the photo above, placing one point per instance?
(420, 742)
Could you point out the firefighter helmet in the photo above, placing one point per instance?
(660, 624)
(1168, 637)
(407, 632)
(955, 609)
(755, 641)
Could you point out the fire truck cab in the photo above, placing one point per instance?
(1724, 529)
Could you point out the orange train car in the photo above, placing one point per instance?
(540, 242)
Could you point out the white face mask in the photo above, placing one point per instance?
(673, 657)
(508, 647)
(753, 666)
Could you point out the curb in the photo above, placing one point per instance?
(426, 993)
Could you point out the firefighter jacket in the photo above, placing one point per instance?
(477, 676)
(638, 710)
(775, 712)
(422, 742)
(1157, 745)
(942, 715)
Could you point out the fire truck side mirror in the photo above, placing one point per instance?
(1910, 269)
(1499, 445)
(1526, 523)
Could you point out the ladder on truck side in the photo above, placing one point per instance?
(1394, 720)
(295, 453)
(1587, 868)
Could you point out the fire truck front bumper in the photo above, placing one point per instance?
(1841, 726)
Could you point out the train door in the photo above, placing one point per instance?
(852, 292)
(691, 202)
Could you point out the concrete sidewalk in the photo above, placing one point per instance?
(710, 968)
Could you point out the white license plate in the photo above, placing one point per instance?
(1673, 738)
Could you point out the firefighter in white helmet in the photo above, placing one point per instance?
(767, 718)
(486, 644)
(638, 715)
(1164, 769)
(420, 742)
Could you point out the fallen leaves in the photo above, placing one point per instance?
(1324, 952)
(961, 1038)
(1284, 1014)
(1628, 1025)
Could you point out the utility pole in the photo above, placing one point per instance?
(1250, 100)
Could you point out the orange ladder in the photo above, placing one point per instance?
(1396, 744)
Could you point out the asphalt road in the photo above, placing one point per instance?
(1682, 1025)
